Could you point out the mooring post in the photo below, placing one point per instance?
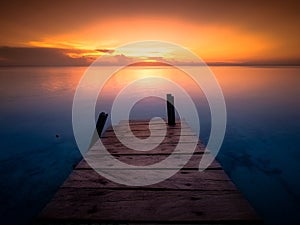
(170, 109)
(101, 122)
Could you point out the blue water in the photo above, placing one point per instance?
(260, 151)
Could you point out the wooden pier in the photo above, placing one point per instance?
(188, 197)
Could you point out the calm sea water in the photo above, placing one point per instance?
(260, 151)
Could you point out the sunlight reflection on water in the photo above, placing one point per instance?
(260, 151)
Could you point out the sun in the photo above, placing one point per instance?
(150, 60)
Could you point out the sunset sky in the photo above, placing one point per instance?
(76, 32)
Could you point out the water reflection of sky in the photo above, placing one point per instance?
(260, 151)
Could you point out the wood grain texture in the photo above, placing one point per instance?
(146, 205)
(164, 148)
(188, 197)
(184, 180)
(144, 160)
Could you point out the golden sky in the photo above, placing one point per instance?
(75, 32)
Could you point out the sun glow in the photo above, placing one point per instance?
(150, 60)
(211, 42)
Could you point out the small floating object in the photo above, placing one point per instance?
(57, 135)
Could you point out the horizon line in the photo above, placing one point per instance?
(206, 64)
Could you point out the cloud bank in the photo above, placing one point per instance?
(35, 56)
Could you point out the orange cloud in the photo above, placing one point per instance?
(211, 42)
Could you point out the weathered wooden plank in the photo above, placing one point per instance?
(163, 148)
(146, 126)
(154, 121)
(92, 204)
(157, 127)
(147, 133)
(183, 180)
(188, 197)
(143, 160)
(84, 222)
(155, 139)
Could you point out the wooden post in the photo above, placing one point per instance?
(101, 122)
(170, 109)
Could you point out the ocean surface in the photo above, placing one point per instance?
(260, 151)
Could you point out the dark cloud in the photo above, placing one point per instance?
(71, 14)
(24, 21)
(20, 56)
(55, 17)
(113, 60)
(105, 50)
(16, 56)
